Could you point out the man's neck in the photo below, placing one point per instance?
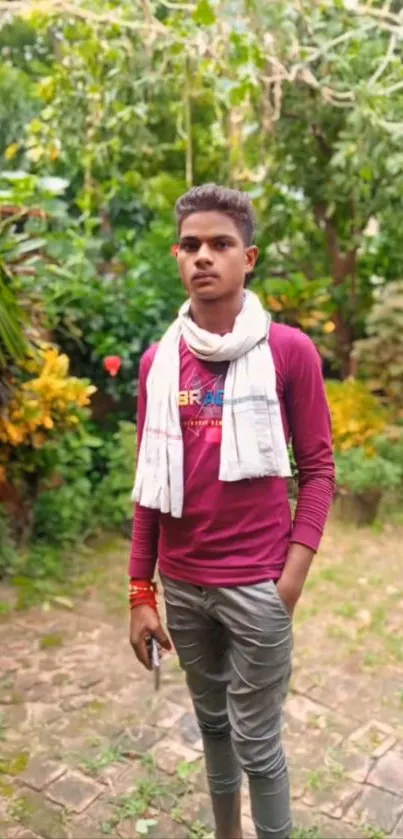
(217, 316)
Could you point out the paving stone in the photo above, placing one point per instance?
(335, 800)
(303, 818)
(129, 779)
(27, 834)
(376, 807)
(90, 679)
(388, 773)
(165, 827)
(398, 831)
(372, 731)
(196, 807)
(189, 729)
(41, 772)
(180, 695)
(384, 747)
(169, 715)
(8, 665)
(90, 824)
(75, 703)
(74, 791)
(303, 709)
(329, 829)
(39, 815)
(169, 753)
(357, 766)
(139, 739)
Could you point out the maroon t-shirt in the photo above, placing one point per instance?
(238, 533)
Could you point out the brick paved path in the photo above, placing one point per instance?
(87, 749)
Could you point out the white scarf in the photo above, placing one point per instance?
(253, 443)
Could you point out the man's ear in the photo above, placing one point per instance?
(251, 258)
(174, 250)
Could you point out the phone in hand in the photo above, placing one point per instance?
(154, 658)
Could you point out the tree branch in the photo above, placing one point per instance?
(385, 61)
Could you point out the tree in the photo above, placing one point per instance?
(300, 103)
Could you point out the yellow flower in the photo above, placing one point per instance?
(11, 151)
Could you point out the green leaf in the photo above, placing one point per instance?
(204, 13)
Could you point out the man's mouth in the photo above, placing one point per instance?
(205, 277)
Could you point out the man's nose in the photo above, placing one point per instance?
(204, 254)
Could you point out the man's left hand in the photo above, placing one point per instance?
(295, 572)
(289, 595)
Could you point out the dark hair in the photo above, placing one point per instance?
(210, 197)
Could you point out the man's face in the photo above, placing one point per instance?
(212, 257)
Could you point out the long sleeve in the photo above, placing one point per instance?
(145, 534)
(311, 435)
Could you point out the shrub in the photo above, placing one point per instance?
(357, 415)
(380, 355)
(63, 512)
(112, 496)
(8, 553)
(360, 472)
(46, 404)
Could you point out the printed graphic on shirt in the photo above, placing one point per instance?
(200, 404)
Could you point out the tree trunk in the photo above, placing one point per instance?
(343, 267)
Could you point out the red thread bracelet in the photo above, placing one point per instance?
(142, 593)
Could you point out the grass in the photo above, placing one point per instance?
(135, 804)
(5, 609)
(108, 755)
(316, 780)
(15, 764)
(373, 833)
(198, 830)
(186, 771)
(50, 641)
(306, 833)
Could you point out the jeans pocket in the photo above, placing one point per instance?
(280, 601)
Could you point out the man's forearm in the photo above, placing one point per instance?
(299, 560)
(295, 572)
(144, 547)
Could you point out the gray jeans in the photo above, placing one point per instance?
(235, 646)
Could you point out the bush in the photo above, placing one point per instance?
(357, 415)
(8, 553)
(64, 512)
(47, 403)
(380, 356)
(112, 499)
(359, 472)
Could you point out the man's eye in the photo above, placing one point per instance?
(222, 245)
(189, 247)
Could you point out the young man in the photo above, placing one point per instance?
(219, 399)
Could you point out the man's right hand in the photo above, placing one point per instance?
(144, 622)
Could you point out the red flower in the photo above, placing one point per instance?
(112, 364)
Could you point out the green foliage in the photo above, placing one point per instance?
(306, 116)
(380, 355)
(112, 501)
(8, 552)
(63, 512)
(358, 472)
(13, 344)
(115, 307)
(390, 446)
